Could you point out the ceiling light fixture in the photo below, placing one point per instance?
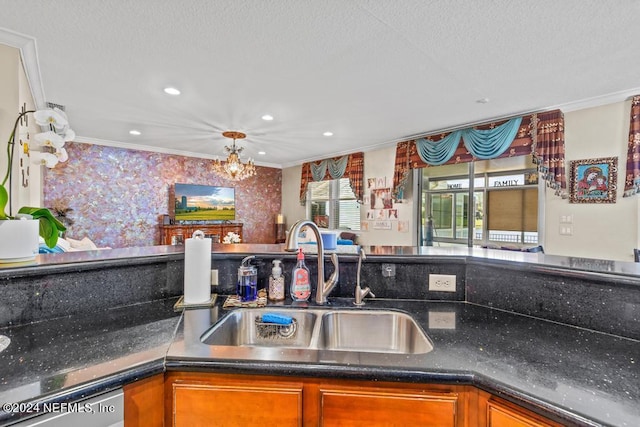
(328, 134)
(171, 91)
(267, 117)
(233, 168)
(135, 132)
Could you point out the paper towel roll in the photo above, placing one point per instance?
(197, 270)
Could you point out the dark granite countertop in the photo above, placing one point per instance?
(66, 359)
(578, 376)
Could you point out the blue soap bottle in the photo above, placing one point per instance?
(247, 280)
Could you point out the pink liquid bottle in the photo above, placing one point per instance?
(300, 284)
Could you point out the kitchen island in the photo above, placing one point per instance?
(570, 374)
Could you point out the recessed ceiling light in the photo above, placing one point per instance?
(135, 132)
(328, 134)
(483, 101)
(262, 153)
(267, 117)
(171, 91)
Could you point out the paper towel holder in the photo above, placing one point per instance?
(180, 304)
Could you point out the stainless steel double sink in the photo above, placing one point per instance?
(342, 330)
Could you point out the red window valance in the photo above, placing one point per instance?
(632, 177)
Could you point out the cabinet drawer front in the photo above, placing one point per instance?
(386, 408)
(203, 405)
(502, 416)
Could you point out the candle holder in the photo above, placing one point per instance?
(280, 228)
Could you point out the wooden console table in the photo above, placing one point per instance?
(176, 234)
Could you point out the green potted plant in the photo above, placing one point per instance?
(51, 151)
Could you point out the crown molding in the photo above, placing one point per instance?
(583, 104)
(148, 148)
(29, 55)
(597, 101)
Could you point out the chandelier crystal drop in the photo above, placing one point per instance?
(233, 168)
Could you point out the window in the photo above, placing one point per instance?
(495, 202)
(332, 204)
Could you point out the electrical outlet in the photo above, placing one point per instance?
(442, 282)
(566, 219)
(214, 277)
(388, 270)
(566, 230)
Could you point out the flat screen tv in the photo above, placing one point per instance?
(204, 203)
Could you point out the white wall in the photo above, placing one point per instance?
(377, 164)
(291, 208)
(31, 194)
(14, 91)
(9, 102)
(601, 231)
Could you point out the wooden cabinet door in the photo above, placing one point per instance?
(387, 407)
(239, 402)
(143, 402)
(177, 234)
(502, 415)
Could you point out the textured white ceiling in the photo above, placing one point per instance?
(373, 72)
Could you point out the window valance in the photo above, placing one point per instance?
(540, 134)
(349, 166)
(632, 177)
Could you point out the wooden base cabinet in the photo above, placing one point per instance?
(500, 413)
(144, 402)
(397, 406)
(198, 399)
(195, 399)
(229, 401)
(178, 234)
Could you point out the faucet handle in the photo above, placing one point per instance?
(334, 259)
(336, 273)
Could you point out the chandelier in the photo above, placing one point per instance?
(233, 168)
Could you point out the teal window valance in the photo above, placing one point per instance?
(349, 166)
(438, 152)
(335, 167)
(540, 135)
(483, 144)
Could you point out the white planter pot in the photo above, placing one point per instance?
(18, 240)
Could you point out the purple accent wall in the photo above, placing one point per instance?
(118, 195)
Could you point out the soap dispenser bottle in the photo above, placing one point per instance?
(300, 284)
(276, 282)
(247, 280)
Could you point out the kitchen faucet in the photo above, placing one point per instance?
(361, 293)
(324, 287)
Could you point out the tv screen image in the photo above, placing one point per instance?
(204, 203)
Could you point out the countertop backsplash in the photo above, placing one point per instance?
(602, 301)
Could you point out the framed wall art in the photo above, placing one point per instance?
(594, 180)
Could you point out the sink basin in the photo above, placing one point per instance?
(243, 327)
(372, 331)
(334, 330)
